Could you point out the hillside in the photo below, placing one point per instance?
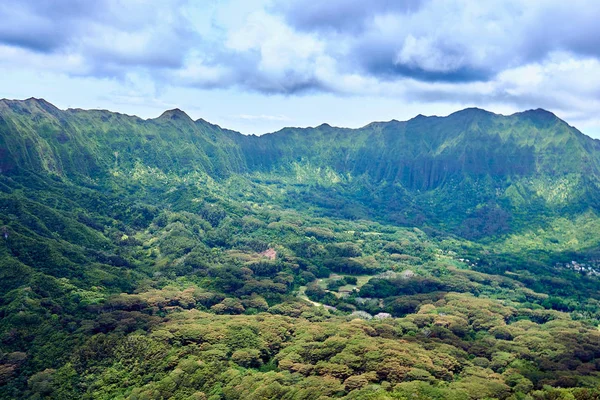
(437, 258)
(447, 172)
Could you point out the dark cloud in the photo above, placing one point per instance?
(110, 35)
(380, 58)
(459, 75)
(44, 25)
(242, 70)
(456, 41)
(350, 16)
(31, 40)
(291, 84)
(566, 26)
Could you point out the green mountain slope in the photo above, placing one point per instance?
(441, 257)
(448, 172)
(87, 144)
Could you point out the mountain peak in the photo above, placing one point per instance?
(471, 111)
(29, 101)
(32, 104)
(539, 117)
(36, 100)
(418, 117)
(175, 114)
(539, 112)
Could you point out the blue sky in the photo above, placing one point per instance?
(258, 65)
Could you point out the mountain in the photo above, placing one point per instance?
(440, 257)
(473, 173)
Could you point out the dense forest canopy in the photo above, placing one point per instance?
(438, 258)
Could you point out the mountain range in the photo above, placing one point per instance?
(473, 173)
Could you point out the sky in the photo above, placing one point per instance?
(259, 65)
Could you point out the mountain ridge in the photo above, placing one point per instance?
(431, 168)
(179, 111)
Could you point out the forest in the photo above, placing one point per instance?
(173, 259)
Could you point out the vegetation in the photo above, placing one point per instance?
(439, 258)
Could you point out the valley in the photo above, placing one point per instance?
(437, 258)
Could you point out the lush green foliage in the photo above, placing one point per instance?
(439, 258)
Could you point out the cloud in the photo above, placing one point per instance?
(445, 40)
(110, 36)
(340, 16)
(534, 53)
(263, 55)
(42, 26)
(563, 82)
(284, 46)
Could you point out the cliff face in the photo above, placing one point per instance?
(426, 152)
(427, 165)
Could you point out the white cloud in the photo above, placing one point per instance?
(424, 54)
(285, 58)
